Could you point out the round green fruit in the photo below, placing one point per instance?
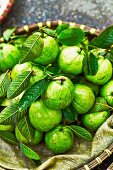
(59, 140)
(83, 98)
(59, 93)
(71, 60)
(106, 91)
(43, 118)
(104, 72)
(9, 56)
(20, 68)
(38, 74)
(49, 52)
(94, 120)
(37, 137)
(92, 86)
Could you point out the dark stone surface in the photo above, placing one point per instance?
(94, 13)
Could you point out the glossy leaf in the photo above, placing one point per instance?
(93, 64)
(8, 137)
(4, 83)
(26, 129)
(69, 114)
(29, 152)
(10, 114)
(31, 94)
(85, 64)
(105, 39)
(81, 132)
(7, 33)
(61, 27)
(32, 48)
(19, 84)
(71, 36)
(49, 32)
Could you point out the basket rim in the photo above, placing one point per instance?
(6, 10)
(94, 32)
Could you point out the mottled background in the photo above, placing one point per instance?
(95, 13)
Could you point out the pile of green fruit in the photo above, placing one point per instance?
(54, 85)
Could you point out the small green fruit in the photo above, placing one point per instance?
(49, 52)
(9, 56)
(43, 118)
(59, 140)
(20, 68)
(59, 93)
(71, 60)
(104, 72)
(107, 92)
(83, 98)
(94, 120)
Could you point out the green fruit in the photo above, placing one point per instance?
(20, 68)
(104, 72)
(49, 52)
(71, 60)
(92, 86)
(59, 93)
(43, 118)
(83, 98)
(59, 140)
(9, 56)
(107, 92)
(94, 120)
(38, 74)
(37, 137)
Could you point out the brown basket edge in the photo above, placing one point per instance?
(92, 31)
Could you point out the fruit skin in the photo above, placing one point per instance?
(70, 60)
(43, 118)
(38, 73)
(37, 137)
(60, 139)
(107, 92)
(94, 120)
(92, 86)
(20, 68)
(83, 98)
(59, 93)
(9, 56)
(49, 52)
(104, 72)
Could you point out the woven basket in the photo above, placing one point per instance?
(91, 32)
(6, 10)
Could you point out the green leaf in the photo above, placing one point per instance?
(93, 64)
(7, 33)
(19, 84)
(49, 32)
(109, 55)
(71, 36)
(32, 48)
(81, 132)
(31, 94)
(8, 137)
(10, 114)
(85, 63)
(26, 129)
(105, 39)
(61, 27)
(69, 114)
(4, 83)
(29, 152)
